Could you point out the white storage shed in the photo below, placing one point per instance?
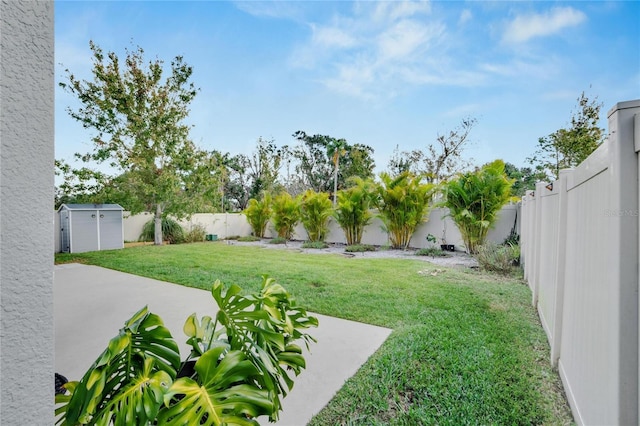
(90, 227)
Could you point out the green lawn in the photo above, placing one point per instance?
(467, 347)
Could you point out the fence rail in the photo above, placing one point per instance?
(580, 253)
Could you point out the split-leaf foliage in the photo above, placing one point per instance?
(241, 364)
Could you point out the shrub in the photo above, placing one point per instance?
(498, 258)
(315, 245)
(432, 252)
(403, 205)
(513, 238)
(315, 211)
(286, 214)
(258, 214)
(278, 240)
(352, 212)
(474, 200)
(248, 239)
(197, 234)
(171, 231)
(240, 365)
(359, 248)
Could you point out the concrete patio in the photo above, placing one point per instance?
(89, 309)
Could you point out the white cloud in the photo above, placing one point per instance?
(394, 10)
(526, 27)
(353, 79)
(465, 17)
(333, 37)
(375, 49)
(405, 38)
(272, 9)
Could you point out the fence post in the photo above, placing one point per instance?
(621, 124)
(528, 215)
(636, 145)
(537, 249)
(561, 242)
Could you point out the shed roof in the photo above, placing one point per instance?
(91, 207)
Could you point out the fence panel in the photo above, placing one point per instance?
(547, 262)
(580, 244)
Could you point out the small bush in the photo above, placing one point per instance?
(513, 239)
(247, 239)
(315, 245)
(315, 211)
(278, 240)
(286, 214)
(171, 231)
(196, 234)
(258, 214)
(431, 251)
(359, 248)
(236, 237)
(498, 258)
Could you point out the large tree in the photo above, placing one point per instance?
(325, 164)
(139, 131)
(524, 178)
(440, 160)
(568, 147)
(264, 168)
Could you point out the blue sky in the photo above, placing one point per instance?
(384, 74)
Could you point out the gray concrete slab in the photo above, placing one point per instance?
(89, 309)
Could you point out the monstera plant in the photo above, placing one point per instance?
(240, 365)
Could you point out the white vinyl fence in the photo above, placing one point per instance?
(580, 252)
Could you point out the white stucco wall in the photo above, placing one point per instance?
(225, 225)
(26, 198)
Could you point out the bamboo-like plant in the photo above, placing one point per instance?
(258, 213)
(315, 211)
(474, 200)
(286, 214)
(241, 364)
(353, 210)
(403, 203)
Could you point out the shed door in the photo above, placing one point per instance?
(84, 231)
(64, 232)
(110, 230)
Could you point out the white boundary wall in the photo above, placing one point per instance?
(235, 224)
(580, 250)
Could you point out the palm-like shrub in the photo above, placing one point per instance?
(403, 202)
(258, 214)
(286, 214)
(171, 231)
(315, 211)
(353, 210)
(241, 364)
(474, 200)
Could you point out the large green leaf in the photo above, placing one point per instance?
(130, 376)
(227, 393)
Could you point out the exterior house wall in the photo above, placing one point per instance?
(26, 194)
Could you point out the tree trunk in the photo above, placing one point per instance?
(157, 235)
(335, 181)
